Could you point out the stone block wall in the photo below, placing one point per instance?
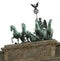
(57, 50)
(34, 51)
(47, 50)
(1, 56)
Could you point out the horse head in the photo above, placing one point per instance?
(49, 24)
(49, 30)
(12, 27)
(23, 28)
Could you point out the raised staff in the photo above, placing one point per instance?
(35, 8)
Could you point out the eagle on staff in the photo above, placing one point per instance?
(35, 8)
(35, 5)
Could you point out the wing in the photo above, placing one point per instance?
(32, 5)
(37, 4)
(45, 24)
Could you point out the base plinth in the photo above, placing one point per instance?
(33, 51)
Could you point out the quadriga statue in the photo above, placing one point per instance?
(43, 30)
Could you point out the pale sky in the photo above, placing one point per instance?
(15, 12)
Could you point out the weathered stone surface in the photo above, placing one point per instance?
(1, 56)
(38, 59)
(34, 51)
(57, 50)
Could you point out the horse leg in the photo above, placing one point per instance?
(12, 39)
(28, 39)
(18, 40)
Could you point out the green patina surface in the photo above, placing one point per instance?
(43, 30)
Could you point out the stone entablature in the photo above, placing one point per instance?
(33, 50)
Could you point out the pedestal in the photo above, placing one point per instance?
(32, 51)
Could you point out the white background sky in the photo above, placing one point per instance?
(15, 12)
